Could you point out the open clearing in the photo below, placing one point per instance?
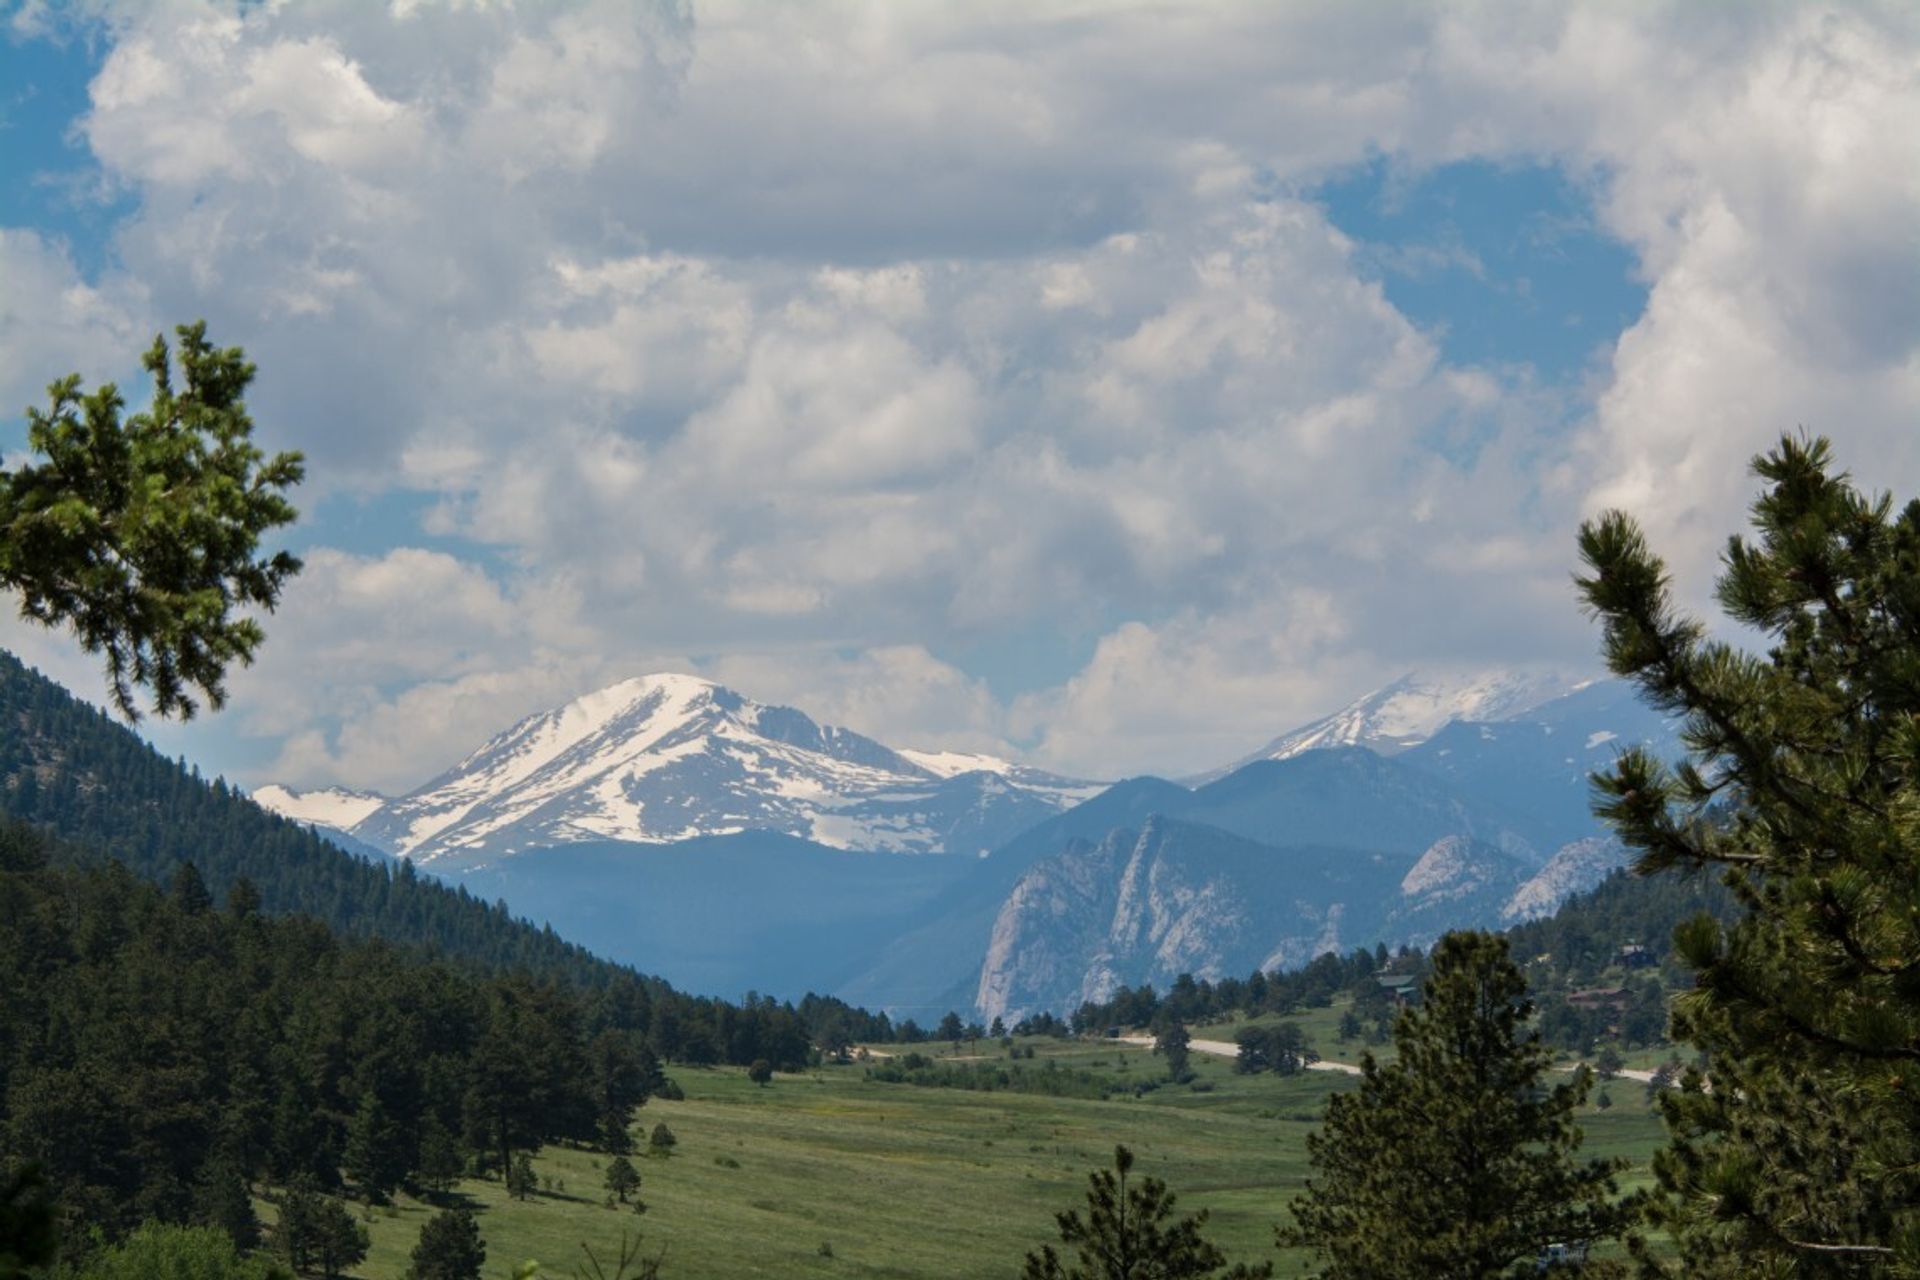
(908, 1182)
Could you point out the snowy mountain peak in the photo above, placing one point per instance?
(336, 807)
(1413, 708)
(667, 757)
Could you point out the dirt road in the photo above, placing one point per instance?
(1226, 1049)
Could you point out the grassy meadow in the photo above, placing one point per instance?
(829, 1173)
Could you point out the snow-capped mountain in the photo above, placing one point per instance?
(1412, 709)
(336, 808)
(664, 758)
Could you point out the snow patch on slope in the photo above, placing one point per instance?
(336, 807)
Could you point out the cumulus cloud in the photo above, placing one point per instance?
(53, 321)
(817, 341)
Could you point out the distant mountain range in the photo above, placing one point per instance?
(673, 823)
(666, 758)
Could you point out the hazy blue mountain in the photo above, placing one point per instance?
(1349, 797)
(724, 914)
(1535, 767)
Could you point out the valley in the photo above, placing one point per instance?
(909, 1183)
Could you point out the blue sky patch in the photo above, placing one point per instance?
(1502, 264)
(48, 178)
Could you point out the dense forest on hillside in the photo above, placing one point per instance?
(70, 770)
(160, 1052)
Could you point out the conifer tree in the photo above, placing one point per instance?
(1456, 1161)
(1173, 1044)
(1130, 1233)
(315, 1232)
(520, 1177)
(449, 1248)
(373, 1157)
(141, 534)
(622, 1178)
(189, 890)
(243, 898)
(1803, 1156)
(28, 1237)
(221, 1199)
(439, 1164)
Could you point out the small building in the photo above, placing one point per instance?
(1633, 956)
(1401, 988)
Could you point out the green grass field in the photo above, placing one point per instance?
(903, 1181)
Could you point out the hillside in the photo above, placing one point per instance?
(71, 771)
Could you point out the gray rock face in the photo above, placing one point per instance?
(1149, 905)
(1459, 882)
(1575, 868)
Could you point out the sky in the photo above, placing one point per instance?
(1111, 386)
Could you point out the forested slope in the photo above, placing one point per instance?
(69, 770)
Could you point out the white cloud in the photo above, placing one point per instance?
(54, 322)
(781, 331)
(899, 694)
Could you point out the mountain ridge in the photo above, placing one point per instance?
(666, 757)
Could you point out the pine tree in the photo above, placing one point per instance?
(1454, 1161)
(1172, 1044)
(316, 1231)
(760, 1071)
(521, 1181)
(338, 1241)
(29, 1237)
(1130, 1233)
(140, 534)
(243, 898)
(439, 1164)
(625, 1072)
(622, 1179)
(662, 1140)
(1803, 1157)
(221, 1199)
(189, 890)
(373, 1157)
(449, 1248)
